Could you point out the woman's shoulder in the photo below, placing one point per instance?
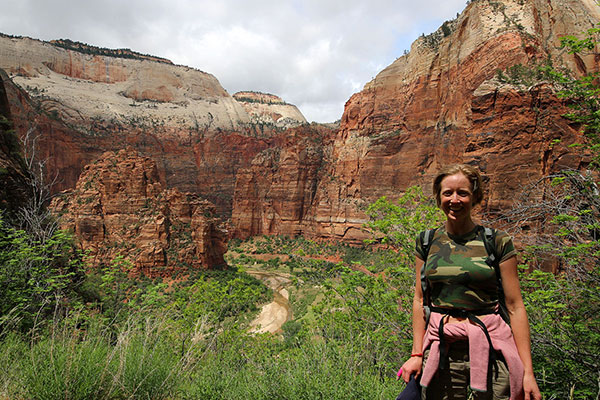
(504, 244)
(502, 237)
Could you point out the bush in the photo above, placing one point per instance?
(38, 279)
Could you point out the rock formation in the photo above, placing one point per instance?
(440, 103)
(14, 187)
(96, 85)
(120, 207)
(270, 109)
(80, 101)
(276, 193)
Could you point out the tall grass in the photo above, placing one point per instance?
(139, 362)
(144, 361)
(314, 370)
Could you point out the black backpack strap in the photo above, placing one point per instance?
(488, 236)
(426, 238)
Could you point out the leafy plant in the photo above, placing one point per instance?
(37, 278)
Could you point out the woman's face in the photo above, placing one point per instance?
(456, 197)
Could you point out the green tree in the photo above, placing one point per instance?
(38, 279)
(367, 308)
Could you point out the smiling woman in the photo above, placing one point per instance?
(457, 190)
(466, 293)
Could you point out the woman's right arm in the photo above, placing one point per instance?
(414, 364)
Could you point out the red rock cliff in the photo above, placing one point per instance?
(14, 188)
(120, 207)
(439, 104)
(80, 104)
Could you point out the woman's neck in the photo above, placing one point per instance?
(457, 227)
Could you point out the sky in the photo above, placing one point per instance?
(313, 53)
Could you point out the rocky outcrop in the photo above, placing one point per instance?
(79, 101)
(14, 188)
(83, 87)
(269, 109)
(442, 103)
(276, 193)
(120, 207)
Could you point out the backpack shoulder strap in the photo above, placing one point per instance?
(488, 236)
(426, 238)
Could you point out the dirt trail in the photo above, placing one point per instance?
(278, 312)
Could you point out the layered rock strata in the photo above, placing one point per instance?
(120, 207)
(269, 109)
(14, 187)
(95, 85)
(80, 101)
(442, 103)
(277, 192)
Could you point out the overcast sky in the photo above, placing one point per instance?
(313, 53)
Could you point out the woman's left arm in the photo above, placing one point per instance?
(519, 324)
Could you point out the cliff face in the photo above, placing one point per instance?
(80, 101)
(87, 86)
(13, 171)
(120, 207)
(277, 192)
(269, 109)
(440, 104)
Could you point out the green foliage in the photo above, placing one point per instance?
(10, 140)
(520, 74)
(367, 307)
(397, 224)
(86, 364)
(583, 94)
(370, 316)
(563, 307)
(575, 45)
(260, 368)
(37, 279)
(563, 310)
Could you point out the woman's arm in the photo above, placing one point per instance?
(414, 364)
(519, 325)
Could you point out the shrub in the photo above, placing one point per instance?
(38, 279)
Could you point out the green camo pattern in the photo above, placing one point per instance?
(456, 270)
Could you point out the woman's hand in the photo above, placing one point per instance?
(531, 389)
(412, 366)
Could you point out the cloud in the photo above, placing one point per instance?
(312, 53)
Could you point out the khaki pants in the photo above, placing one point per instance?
(452, 383)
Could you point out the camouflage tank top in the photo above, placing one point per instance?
(456, 271)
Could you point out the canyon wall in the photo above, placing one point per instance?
(442, 103)
(120, 207)
(80, 101)
(269, 109)
(14, 186)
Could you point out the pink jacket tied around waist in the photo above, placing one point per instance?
(479, 352)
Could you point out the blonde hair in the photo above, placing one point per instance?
(470, 172)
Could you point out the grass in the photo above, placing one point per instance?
(144, 363)
(70, 363)
(191, 342)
